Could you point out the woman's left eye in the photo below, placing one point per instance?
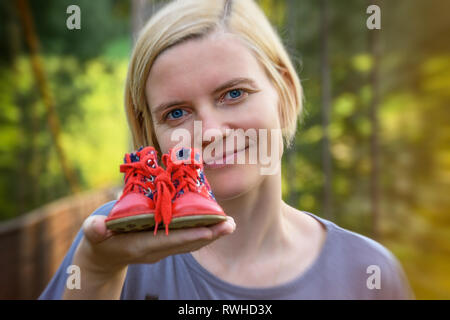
(234, 94)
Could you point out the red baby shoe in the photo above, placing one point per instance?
(193, 204)
(147, 192)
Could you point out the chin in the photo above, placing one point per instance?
(233, 181)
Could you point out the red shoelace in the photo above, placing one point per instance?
(186, 175)
(165, 191)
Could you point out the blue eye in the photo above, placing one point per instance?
(234, 94)
(175, 114)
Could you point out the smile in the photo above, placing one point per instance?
(225, 160)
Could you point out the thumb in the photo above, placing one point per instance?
(95, 230)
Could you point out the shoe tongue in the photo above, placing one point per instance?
(146, 151)
(186, 156)
(139, 154)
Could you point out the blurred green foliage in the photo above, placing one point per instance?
(414, 128)
(94, 130)
(87, 69)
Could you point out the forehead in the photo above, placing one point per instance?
(201, 64)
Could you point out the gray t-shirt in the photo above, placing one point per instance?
(349, 266)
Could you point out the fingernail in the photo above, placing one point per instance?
(230, 220)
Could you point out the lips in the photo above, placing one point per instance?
(226, 159)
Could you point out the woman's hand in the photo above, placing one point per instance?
(103, 256)
(109, 252)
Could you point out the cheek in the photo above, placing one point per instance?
(263, 112)
(170, 137)
(164, 142)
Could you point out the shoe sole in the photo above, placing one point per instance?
(195, 221)
(147, 221)
(134, 223)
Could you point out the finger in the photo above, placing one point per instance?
(185, 247)
(191, 241)
(182, 236)
(95, 230)
(142, 246)
(223, 228)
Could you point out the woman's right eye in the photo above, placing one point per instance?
(175, 114)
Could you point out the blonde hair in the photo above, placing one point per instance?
(182, 20)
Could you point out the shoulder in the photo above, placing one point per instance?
(362, 248)
(349, 243)
(373, 267)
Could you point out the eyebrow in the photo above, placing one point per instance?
(226, 85)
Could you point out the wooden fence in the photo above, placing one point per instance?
(32, 246)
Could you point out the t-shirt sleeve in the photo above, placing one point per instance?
(396, 281)
(57, 284)
(368, 269)
(393, 284)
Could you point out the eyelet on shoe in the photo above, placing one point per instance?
(151, 163)
(148, 193)
(183, 154)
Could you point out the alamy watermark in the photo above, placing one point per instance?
(74, 279)
(74, 20)
(374, 20)
(374, 280)
(234, 146)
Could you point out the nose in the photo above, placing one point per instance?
(214, 124)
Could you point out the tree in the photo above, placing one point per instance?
(375, 50)
(38, 70)
(326, 108)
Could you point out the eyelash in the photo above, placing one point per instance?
(165, 116)
(245, 93)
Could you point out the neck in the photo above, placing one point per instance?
(259, 218)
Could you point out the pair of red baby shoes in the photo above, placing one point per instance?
(179, 195)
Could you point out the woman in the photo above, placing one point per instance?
(221, 63)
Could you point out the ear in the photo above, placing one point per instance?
(289, 83)
(287, 77)
(290, 97)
